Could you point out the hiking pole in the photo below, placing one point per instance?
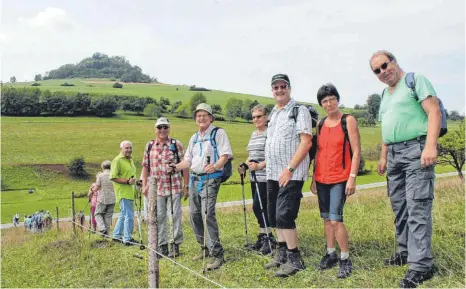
(173, 216)
(205, 219)
(138, 185)
(253, 173)
(244, 203)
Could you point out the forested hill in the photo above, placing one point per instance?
(100, 66)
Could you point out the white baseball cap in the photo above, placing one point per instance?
(162, 121)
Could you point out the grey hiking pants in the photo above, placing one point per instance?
(165, 235)
(411, 192)
(164, 209)
(103, 216)
(197, 204)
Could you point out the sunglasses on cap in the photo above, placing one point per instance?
(163, 127)
(382, 67)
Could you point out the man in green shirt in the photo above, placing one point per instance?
(122, 174)
(410, 130)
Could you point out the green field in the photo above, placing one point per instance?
(172, 92)
(57, 259)
(35, 149)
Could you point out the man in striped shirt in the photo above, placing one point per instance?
(286, 155)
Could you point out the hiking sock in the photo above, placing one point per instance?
(282, 244)
(344, 255)
(330, 250)
(295, 250)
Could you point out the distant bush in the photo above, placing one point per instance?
(66, 84)
(219, 118)
(104, 107)
(117, 85)
(35, 84)
(362, 167)
(112, 79)
(194, 88)
(76, 166)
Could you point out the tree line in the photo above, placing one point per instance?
(35, 102)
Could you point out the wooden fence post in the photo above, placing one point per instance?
(73, 213)
(153, 242)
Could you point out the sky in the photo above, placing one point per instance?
(238, 45)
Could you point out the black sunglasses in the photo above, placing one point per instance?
(279, 86)
(382, 67)
(163, 127)
(257, 116)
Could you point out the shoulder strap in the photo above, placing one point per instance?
(213, 142)
(321, 123)
(173, 142)
(294, 112)
(344, 127)
(411, 83)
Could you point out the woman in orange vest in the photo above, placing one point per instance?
(336, 168)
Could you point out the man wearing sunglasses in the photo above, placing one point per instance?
(410, 130)
(157, 155)
(287, 158)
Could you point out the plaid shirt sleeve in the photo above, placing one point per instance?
(304, 121)
(145, 160)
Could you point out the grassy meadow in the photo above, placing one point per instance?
(155, 90)
(36, 149)
(58, 259)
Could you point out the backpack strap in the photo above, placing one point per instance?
(294, 112)
(213, 142)
(411, 83)
(173, 142)
(344, 126)
(321, 123)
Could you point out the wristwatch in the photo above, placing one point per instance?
(291, 169)
(127, 181)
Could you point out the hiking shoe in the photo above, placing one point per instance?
(131, 242)
(260, 241)
(103, 233)
(345, 268)
(279, 258)
(293, 265)
(413, 278)
(396, 260)
(204, 253)
(328, 261)
(265, 249)
(163, 250)
(216, 263)
(116, 240)
(174, 250)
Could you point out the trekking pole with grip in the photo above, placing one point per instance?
(243, 165)
(205, 218)
(253, 173)
(173, 216)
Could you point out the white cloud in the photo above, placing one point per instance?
(3, 38)
(51, 18)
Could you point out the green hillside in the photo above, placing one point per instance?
(154, 90)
